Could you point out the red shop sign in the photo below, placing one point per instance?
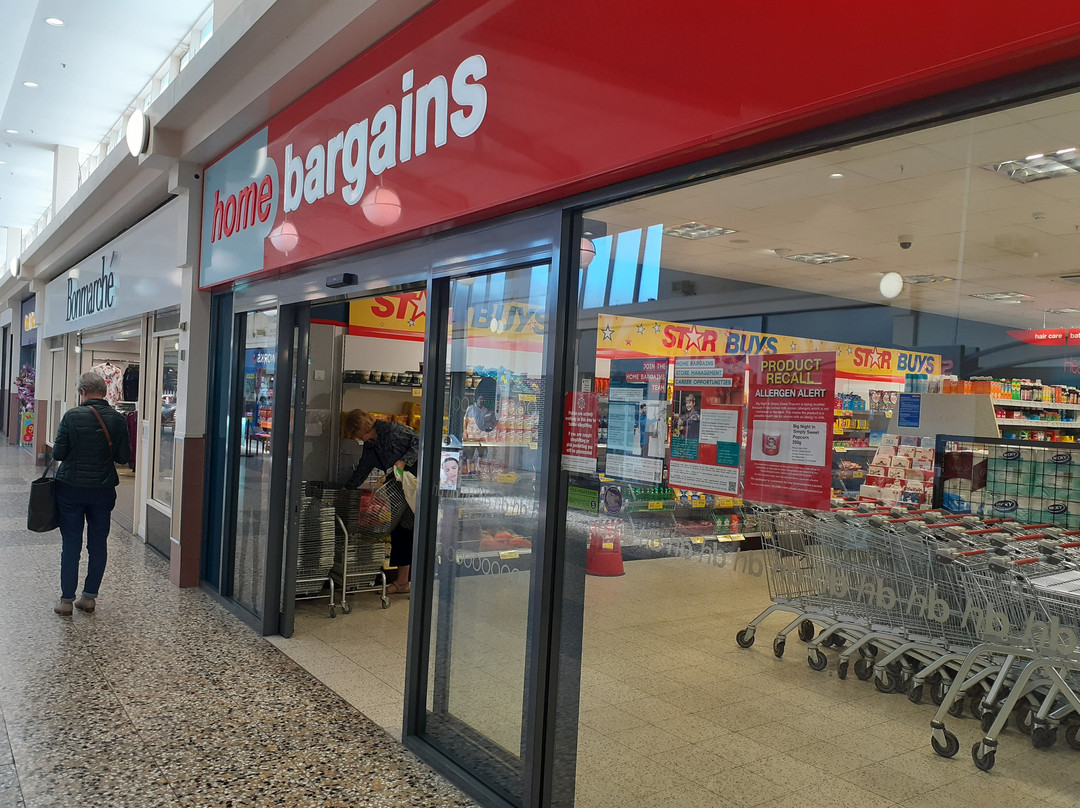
(475, 108)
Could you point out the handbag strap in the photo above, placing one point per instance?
(97, 415)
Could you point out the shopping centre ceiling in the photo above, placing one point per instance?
(987, 232)
(86, 72)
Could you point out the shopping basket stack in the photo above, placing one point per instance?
(986, 612)
(315, 554)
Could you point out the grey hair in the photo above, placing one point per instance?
(93, 384)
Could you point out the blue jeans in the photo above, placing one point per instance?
(78, 506)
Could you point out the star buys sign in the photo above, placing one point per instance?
(395, 133)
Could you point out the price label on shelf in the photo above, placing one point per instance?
(527, 397)
(697, 539)
(725, 502)
(608, 545)
(532, 444)
(508, 555)
(697, 502)
(655, 505)
(508, 478)
(417, 392)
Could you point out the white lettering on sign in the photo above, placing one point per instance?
(96, 295)
(389, 136)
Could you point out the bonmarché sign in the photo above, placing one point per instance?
(96, 295)
(136, 273)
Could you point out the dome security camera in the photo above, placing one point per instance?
(905, 241)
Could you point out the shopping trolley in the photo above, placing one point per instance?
(365, 518)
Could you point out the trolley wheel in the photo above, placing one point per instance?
(778, 647)
(1071, 735)
(938, 691)
(385, 602)
(345, 607)
(806, 630)
(834, 641)
(1024, 718)
(745, 638)
(950, 748)
(914, 692)
(817, 660)
(987, 720)
(956, 709)
(333, 610)
(886, 682)
(1043, 737)
(985, 762)
(975, 705)
(841, 669)
(864, 669)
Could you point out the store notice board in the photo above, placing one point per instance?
(945, 414)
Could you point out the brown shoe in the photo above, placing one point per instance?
(85, 604)
(63, 608)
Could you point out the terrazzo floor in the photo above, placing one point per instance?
(163, 698)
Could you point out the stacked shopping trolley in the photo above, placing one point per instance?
(983, 613)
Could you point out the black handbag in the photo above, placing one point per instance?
(41, 514)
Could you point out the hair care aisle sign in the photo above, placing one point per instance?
(706, 423)
(790, 413)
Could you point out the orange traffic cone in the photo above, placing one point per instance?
(604, 555)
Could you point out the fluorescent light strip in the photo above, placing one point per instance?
(817, 258)
(696, 230)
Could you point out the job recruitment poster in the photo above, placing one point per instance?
(637, 420)
(790, 415)
(706, 419)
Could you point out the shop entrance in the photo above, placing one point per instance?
(116, 356)
(359, 403)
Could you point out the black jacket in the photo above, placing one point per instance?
(393, 442)
(80, 444)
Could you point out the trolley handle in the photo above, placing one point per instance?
(981, 531)
(1029, 537)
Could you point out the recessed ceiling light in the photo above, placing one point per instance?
(696, 230)
(30, 84)
(1002, 297)
(820, 258)
(836, 176)
(927, 278)
(55, 21)
(1062, 163)
(12, 131)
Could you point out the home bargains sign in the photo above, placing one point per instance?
(480, 107)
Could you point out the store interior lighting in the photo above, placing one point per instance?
(1060, 163)
(696, 230)
(820, 258)
(1002, 297)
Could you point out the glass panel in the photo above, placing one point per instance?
(253, 492)
(168, 359)
(891, 324)
(488, 515)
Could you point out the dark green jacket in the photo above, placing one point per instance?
(81, 446)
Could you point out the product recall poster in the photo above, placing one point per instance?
(581, 433)
(790, 417)
(707, 419)
(637, 419)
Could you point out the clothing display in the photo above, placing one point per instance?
(113, 379)
(130, 383)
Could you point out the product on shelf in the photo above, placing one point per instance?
(902, 471)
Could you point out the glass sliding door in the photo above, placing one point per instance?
(489, 515)
(167, 363)
(257, 382)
